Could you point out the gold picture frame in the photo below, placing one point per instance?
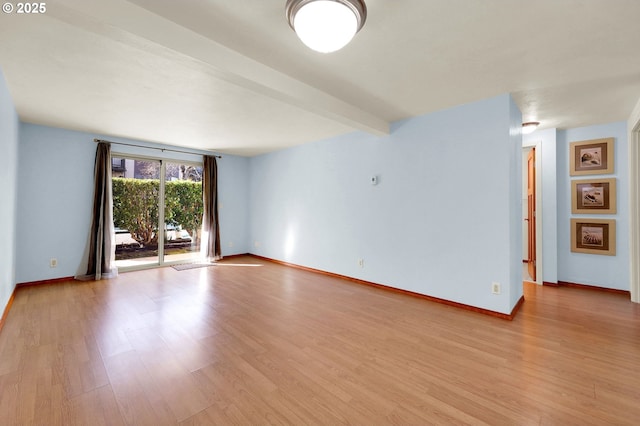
(593, 196)
(593, 236)
(592, 157)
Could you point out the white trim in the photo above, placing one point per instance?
(634, 203)
(538, 147)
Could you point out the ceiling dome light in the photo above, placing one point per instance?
(326, 25)
(529, 127)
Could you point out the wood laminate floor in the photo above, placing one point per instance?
(252, 342)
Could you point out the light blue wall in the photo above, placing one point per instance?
(442, 221)
(54, 201)
(55, 198)
(8, 192)
(548, 192)
(602, 271)
(233, 190)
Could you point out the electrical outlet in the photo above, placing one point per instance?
(361, 263)
(495, 288)
(230, 243)
(53, 263)
(256, 244)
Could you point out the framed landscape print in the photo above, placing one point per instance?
(593, 196)
(593, 236)
(593, 157)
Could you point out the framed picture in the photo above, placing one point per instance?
(593, 236)
(596, 196)
(593, 157)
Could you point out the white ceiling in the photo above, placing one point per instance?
(231, 76)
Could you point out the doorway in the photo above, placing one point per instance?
(157, 211)
(531, 209)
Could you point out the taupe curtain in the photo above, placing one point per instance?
(100, 253)
(210, 245)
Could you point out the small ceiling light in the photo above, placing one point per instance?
(326, 25)
(529, 127)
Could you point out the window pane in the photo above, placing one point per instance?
(182, 212)
(135, 211)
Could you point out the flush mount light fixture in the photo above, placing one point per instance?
(529, 127)
(326, 25)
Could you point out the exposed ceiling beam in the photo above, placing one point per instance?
(136, 26)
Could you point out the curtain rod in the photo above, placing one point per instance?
(151, 147)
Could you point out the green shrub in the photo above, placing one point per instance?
(183, 206)
(135, 207)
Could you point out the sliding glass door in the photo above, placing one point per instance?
(182, 211)
(157, 211)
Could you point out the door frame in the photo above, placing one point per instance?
(161, 207)
(526, 146)
(634, 203)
